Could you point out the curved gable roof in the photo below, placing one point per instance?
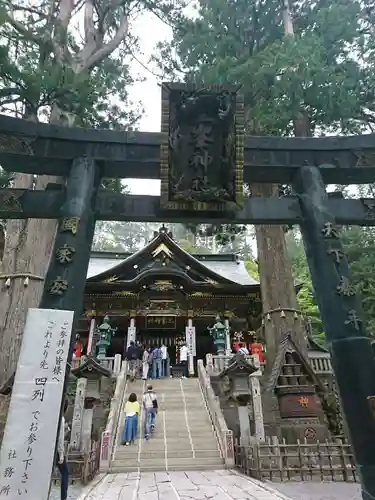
(224, 271)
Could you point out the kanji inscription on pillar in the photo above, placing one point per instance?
(330, 230)
(345, 287)
(30, 433)
(337, 254)
(353, 319)
(64, 254)
(70, 225)
(58, 286)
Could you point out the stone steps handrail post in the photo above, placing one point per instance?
(109, 435)
(225, 435)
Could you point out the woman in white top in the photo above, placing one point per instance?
(184, 360)
(145, 363)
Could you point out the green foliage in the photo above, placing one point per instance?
(325, 71)
(69, 60)
(359, 248)
(252, 268)
(305, 297)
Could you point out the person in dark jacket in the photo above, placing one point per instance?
(132, 358)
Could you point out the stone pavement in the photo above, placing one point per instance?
(314, 490)
(215, 485)
(73, 492)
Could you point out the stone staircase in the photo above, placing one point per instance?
(184, 438)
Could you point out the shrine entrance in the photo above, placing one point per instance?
(203, 160)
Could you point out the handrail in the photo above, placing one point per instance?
(225, 435)
(109, 435)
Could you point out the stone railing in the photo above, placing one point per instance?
(112, 364)
(321, 364)
(109, 435)
(224, 435)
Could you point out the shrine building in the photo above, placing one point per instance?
(154, 294)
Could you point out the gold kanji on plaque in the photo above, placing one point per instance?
(65, 253)
(69, 224)
(303, 401)
(58, 286)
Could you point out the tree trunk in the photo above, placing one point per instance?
(279, 300)
(27, 251)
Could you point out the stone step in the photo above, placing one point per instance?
(158, 447)
(171, 468)
(131, 452)
(160, 462)
(153, 444)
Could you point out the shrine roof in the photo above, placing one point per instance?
(287, 344)
(225, 268)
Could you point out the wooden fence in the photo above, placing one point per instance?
(275, 461)
(82, 466)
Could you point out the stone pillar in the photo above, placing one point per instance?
(191, 351)
(131, 329)
(87, 419)
(91, 343)
(243, 417)
(340, 308)
(79, 405)
(209, 364)
(228, 347)
(257, 403)
(117, 365)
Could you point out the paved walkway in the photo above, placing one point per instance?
(314, 490)
(215, 485)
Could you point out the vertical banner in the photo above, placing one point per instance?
(27, 450)
(131, 335)
(190, 340)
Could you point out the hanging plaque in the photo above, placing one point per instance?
(203, 151)
(155, 322)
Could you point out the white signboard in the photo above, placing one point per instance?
(190, 340)
(27, 450)
(131, 335)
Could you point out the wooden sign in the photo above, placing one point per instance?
(156, 322)
(191, 340)
(202, 158)
(28, 446)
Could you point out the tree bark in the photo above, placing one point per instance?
(27, 250)
(276, 283)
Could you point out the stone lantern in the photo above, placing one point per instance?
(218, 333)
(241, 382)
(104, 335)
(89, 387)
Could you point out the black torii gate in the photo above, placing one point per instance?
(202, 159)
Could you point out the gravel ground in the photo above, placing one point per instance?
(73, 492)
(319, 491)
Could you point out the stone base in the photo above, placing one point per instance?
(309, 431)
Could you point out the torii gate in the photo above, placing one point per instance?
(202, 181)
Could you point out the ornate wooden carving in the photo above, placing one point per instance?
(203, 152)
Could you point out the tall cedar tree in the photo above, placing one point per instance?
(63, 61)
(305, 68)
